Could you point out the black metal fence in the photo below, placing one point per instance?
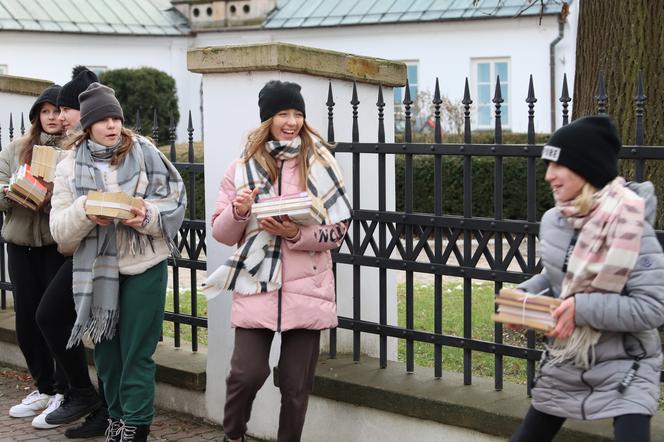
(430, 243)
(190, 240)
(438, 244)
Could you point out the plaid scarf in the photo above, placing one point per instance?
(604, 255)
(255, 267)
(144, 172)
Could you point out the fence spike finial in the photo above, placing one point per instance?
(601, 96)
(497, 100)
(22, 125)
(11, 127)
(355, 103)
(381, 105)
(171, 136)
(330, 113)
(155, 127)
(639, 108)
(531, 100)
(565, 99)
(438, 129)
(466, 101)
(407, 102)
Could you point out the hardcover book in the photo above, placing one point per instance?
(520, 308)
(25, 189)
(111, 204)
(301, 208)
(44, 161)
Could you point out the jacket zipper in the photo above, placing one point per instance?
(281, 167)
(583, 402)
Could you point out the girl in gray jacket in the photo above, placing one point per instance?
(601, 255)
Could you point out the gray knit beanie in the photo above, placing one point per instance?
(98, 102)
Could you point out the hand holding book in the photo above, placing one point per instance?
(524, 309)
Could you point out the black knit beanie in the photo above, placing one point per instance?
(69, 93)
(49, 95)
(279, 95)
(589, 147)
(97, 103)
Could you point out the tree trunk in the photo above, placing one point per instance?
(621, 39)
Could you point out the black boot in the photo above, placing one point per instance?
(77, 403)
(94, 425)
(114, 430)
(227, 439)
(135, 433)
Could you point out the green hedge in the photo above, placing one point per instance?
(483, 172)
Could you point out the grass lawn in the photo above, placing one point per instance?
(185, 308)
(483, 301)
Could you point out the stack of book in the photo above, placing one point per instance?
(25, 189)
(44, 160)
(111, 204)
(301, 208)
(520, 308)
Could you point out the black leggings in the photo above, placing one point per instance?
(542, 427)
(55, 316)
(31, 270)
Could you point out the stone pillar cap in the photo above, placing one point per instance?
(276, 56)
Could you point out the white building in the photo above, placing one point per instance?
(445, 39)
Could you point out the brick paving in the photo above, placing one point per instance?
(167, 426)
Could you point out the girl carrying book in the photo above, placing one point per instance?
(602, 257)
(119, 267)
(281, 275)
(33, 260)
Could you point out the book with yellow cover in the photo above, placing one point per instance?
(44, 161)
(519, 308)
(111, 204)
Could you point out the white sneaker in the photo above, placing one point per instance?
(40, 421)
(31, 405)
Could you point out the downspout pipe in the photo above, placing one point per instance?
(552, 69)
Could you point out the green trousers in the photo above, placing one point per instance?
(124, 363)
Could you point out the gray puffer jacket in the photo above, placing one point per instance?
(628, 322)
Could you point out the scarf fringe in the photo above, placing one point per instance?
(578, 348)
(99, 326)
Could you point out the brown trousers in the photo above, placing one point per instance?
(250, 368)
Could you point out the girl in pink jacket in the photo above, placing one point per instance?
(281, 274)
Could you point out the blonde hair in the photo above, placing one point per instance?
(127, 141)
(584, 200)
(255, 148)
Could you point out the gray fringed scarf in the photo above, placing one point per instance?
(144, 172)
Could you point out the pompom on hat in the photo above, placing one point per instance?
(279, 95)
(97, 103)
(82, 77)
(49, 95)
(589, 147)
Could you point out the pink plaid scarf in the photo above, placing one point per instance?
(605, 253)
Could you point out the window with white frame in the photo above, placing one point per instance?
(3, 69)
(483, 74)
(411, 72)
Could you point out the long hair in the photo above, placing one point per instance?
(31, 138)
(127, 141)
(255, 148)
(584, 200)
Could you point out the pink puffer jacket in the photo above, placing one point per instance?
(307, 294)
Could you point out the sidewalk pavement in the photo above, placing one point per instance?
(168, 426)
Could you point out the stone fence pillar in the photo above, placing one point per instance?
(232, 78)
